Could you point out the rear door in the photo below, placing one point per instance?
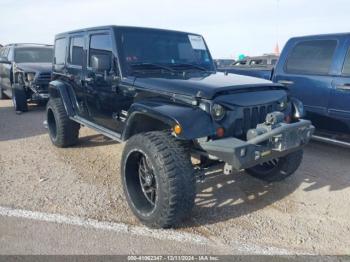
(307, 72)
(6, 71)
(2, 50)
(339, 104)
(75, 70)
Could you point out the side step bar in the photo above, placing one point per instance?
(104, 131)
(331, 141)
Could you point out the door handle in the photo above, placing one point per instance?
(343, 87)
(285, 82)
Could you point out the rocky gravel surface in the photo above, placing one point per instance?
(307, 213)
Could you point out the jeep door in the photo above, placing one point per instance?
(102, 78)
(307, 72)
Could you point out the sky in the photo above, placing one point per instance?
(230, 27)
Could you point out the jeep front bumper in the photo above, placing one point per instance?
(277, 142)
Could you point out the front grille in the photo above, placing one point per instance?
(41, 82)
(251, 117)
(44, 78)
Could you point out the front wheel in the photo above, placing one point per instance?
(63, 132)
(2, 95)
(277, 169)
(19, 98)
(158, 179)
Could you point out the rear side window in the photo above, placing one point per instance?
(346, 66)
(100, 46)
(76, 51)
(311, 57)
(60, 51)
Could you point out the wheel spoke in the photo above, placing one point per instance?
(147, 182)
(153, 195)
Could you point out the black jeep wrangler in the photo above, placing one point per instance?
(159, 91)
(25, 73)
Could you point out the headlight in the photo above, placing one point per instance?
(30, 77)
(282, 104)
(298, 108)
(218, 112)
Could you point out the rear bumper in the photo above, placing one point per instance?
(278, 142)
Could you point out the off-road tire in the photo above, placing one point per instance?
(172, 168)
(19, 98)
(63, 132)
(285, 167)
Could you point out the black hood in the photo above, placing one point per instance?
(35, 67)
(204, 85)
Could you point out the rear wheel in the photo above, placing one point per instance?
(277, 169)
(63, 132)
(19, 98)
(158, 179)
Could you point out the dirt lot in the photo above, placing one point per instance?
(307, 213)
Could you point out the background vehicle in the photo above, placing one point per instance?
(25, 73)
(223, 62)
(258, 66)
(166, 100)
(316, 69)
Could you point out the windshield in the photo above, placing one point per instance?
(33, 55)
(164, 48)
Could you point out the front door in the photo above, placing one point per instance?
(102, 80)
(307, 73)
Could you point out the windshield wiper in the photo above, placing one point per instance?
(151, 66)
(190, 66)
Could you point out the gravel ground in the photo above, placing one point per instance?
(307, 213)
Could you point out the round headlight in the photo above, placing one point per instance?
(282, 104)
(218, 111)
(30, 77)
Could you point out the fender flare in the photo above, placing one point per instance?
(194, 121)
(59, 89)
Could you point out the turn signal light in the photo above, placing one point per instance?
(287, 119)
(220, 132)
(177, 129)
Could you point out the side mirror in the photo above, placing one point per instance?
(101, 62)
(3, 60)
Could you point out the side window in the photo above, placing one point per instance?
(5, 52)
(100, 52)
(60, 51)
(311, 57)
(346, 66)
(76, 51)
